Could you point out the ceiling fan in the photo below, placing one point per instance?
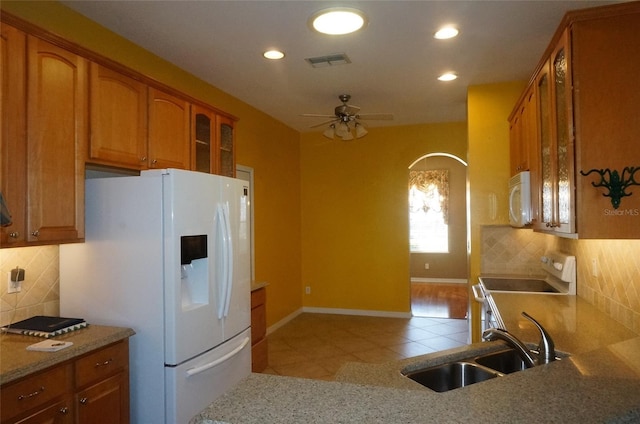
(345, 119)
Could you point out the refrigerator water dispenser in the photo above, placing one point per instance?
(194, 274)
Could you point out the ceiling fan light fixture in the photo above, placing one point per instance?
(449, 76)
(361, 131)
(348, 136)
(338, 20)
(330, 131)
(446, 32)
(273, 54)
(342, 129)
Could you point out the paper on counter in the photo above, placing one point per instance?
(49, 346)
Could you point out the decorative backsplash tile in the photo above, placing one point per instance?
(506, 250)
(40, 293)
(615, 289)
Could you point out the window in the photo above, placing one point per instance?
(428, 211)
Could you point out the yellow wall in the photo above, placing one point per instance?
(263, 143)
(355, 244)
(488, 108)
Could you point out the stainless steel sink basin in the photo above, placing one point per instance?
(534, 285)
(469, 370)
(452, 375)
(506, 361)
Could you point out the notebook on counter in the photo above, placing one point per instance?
(45, 326)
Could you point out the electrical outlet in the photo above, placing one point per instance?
(13, 286)
(594, 267)
(307, 290)
(426, 265)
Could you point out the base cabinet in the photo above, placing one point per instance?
(259, 354)
(92, 389)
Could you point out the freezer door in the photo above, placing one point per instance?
(192, 386)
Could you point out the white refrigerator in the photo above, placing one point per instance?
(167, 254)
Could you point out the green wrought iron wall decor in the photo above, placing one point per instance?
(615, 183)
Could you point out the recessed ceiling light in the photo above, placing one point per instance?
(273, 54)
(337, 20)
(446, 32)
(449, 76)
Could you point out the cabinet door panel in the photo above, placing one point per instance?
(56, 138)
(169, 131)
(118, 119)
(13, 175)
(59, 413)
(106, 402)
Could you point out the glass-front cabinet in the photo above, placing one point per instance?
(214, 142)
(555, 200)
(203, 123)
(226, 150)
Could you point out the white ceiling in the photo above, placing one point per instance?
(395, 59)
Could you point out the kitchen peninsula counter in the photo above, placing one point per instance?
(599, 382)
(18, 362)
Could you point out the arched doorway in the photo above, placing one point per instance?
(438, 236)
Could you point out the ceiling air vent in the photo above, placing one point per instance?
(329, 60)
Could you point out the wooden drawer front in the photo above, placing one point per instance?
(102, 363)
(258, 297)
(258, 324)
(35, 391)
(259, 356)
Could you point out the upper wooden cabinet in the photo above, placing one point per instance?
(57, 96)
(226, 153)
(587, 92)
(44, 133)
(169, 131)
(522, 136)
(203, 124)
(13, 158)
(118, 132)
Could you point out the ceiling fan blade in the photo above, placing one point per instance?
(379, 116)
(324, 123)
(316, 115)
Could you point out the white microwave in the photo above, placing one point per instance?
(520, 200)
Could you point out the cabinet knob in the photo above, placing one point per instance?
(153, 162)
(143, 159)
(64, 410)
(35, 233)
(14, 234)
(84, 400)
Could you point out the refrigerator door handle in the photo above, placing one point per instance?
(229, 256)
(202, 368)
(223, 271)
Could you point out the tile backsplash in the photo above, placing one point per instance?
(40, 293)
(615, 287)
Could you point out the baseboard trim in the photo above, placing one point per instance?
(439, 280)
(359, 312)
(283, 321)
(336, 311)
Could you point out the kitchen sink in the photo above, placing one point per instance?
(506, 361)
(463, 372)
(452, 375)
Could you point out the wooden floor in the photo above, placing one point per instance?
(439, 300)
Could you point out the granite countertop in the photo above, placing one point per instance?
(598, 382)
(18, 362)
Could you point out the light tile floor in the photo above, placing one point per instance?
(317, 345)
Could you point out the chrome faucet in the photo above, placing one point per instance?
(546, 348)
